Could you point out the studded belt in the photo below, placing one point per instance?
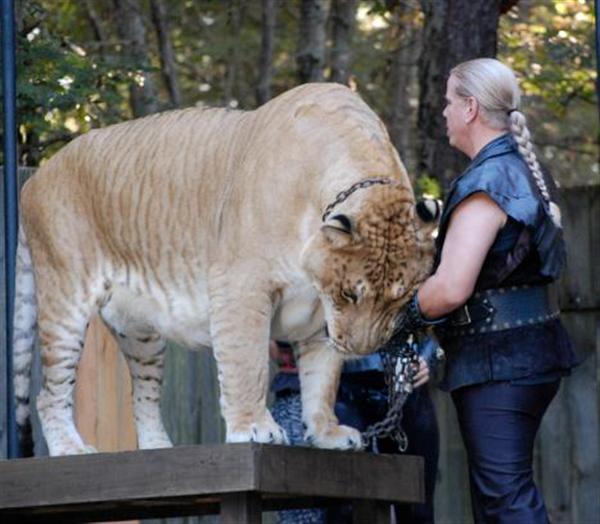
(503, 308)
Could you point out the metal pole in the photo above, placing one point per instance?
(10, 205)
(596, 7)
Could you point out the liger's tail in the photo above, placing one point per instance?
(25, 323)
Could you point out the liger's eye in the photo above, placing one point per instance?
(350, 296)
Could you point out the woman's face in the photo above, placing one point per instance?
(455, 116)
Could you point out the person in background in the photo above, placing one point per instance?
(361, 402)
(499, 249)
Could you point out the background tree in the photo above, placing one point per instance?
(132, 31)
(167, 59)
(311, 40)
(454, 31)
(343, 21)
(403, 82)
(267, 45)
(75, 71)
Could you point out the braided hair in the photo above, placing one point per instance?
(495, 88)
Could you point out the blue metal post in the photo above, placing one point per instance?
(596, 7)
(10, 204)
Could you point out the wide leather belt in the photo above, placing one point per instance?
(503, 308)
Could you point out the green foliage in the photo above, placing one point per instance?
(69, 81)
(550, 45)
(60, 91)
(428, 186)
(553, 49)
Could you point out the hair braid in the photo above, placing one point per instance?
(518, 127)
(522, 136)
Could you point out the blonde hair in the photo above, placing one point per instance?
(495, 88)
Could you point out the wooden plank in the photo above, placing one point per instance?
(103, 402)
(370, 512)
(581, 395)
(183, 479)
(190, 399)
(552, 458)
(241, 508)
(450, 503)
(579, 287)
(297, 470)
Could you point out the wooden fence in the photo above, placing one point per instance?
(568, 447)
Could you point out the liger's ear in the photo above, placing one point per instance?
(429, 209)
(338, 230)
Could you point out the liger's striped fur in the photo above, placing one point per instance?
(203, 226)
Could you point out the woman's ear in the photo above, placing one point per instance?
(471, 109)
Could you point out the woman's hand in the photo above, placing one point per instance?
(422, 375)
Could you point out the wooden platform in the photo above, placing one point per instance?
(237, 480)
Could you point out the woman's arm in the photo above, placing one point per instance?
(473, 228)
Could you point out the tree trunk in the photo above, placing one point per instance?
(142, 92)
(95, 21)
(403, 85)
(344, 20)
(310, 57)
(231, 89)
(267, 44)
(446, 43)
(167, 58)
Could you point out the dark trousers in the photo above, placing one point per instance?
(499, 422)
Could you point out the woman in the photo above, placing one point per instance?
(499, 248)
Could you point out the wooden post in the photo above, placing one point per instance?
(241, 508)
(371, 512)
(103, 403)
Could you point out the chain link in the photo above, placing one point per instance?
(343, 195)
(399, 369)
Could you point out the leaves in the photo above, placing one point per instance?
(72, 77)
(550, 45)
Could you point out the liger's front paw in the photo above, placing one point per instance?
(264, 432)
(335, 437)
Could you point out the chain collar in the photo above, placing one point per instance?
(343, 195)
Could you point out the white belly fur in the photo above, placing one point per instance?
(180, 317)
(183, 316)
(299, 315)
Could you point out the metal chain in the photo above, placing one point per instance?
(343, 195)
(399, 369)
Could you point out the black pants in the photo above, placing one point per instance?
(499, 422)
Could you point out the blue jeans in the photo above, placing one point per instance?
(499, 422)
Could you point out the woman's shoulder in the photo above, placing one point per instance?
(505, 179)
(506, 175)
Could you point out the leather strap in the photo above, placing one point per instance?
(503, 308)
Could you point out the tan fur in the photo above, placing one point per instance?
(204, 226)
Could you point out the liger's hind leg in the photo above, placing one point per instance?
(145, 357)
(62, 329)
